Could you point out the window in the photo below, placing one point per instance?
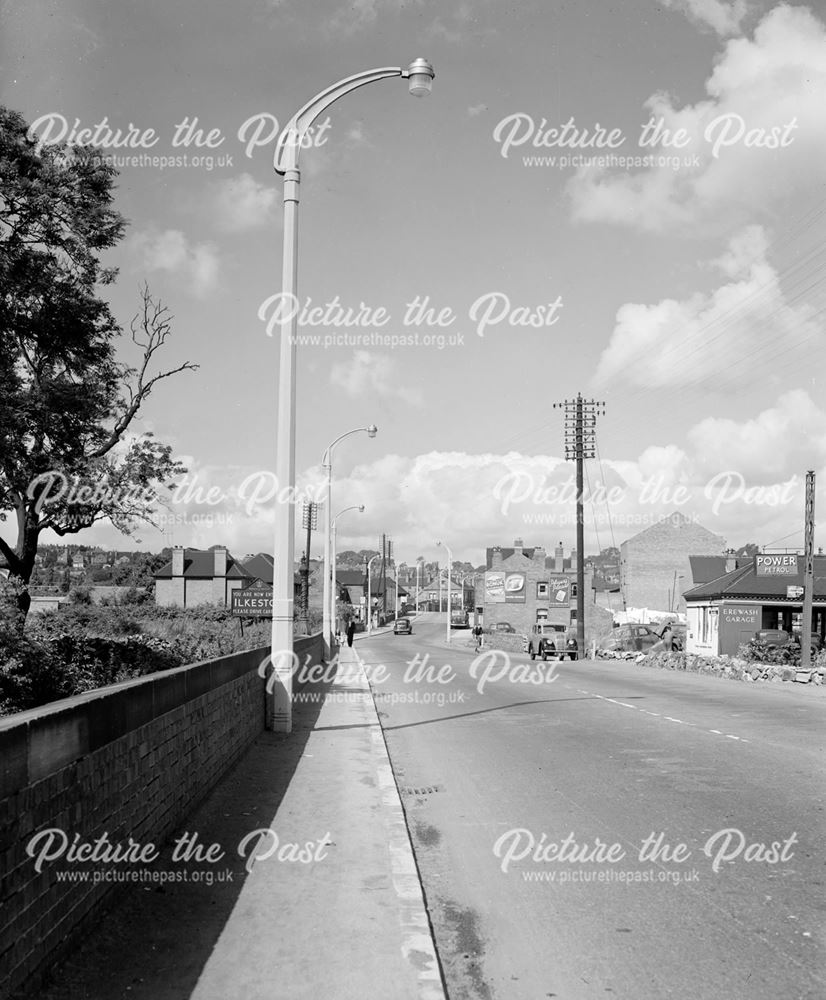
(542, 590)
(574, 590)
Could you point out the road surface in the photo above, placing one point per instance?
(611, 831)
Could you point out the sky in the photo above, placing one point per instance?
(626, 201)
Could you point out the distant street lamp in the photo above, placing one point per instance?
(334, 589)
(420, 76)
(328, 595)
(418, 571)
(370, 595)
(449, 562)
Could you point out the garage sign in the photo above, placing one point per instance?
(784, 564)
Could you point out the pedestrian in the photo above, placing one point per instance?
(351, 631)
(667, 636)
(478, 633)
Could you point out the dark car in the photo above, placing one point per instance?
(502, 627)
(402, 626)
(631, 638)
(769, 639)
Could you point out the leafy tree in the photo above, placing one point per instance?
(66, 402)
(748, 550)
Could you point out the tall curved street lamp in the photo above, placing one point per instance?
(329, 602)
(334, 591)
(420, 76)
(449, 563)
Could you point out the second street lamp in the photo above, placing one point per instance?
(329, 565)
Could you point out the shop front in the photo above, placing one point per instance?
(726, 613)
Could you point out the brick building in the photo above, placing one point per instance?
(654, 565)
(193, 577)
(525, 585)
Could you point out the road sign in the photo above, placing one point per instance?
(254, 602)
(795, 593)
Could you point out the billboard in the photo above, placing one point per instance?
(504, 588)
(560, 592)
(515, 588)
(494, 588)
(784, 564)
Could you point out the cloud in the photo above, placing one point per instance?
(241, 203)
(789, 437)
(770, 89)
(741, 479)
(357, 15)
(476, 109)
(724, 17)
(370, 373)
(170, 251)
(720, 338)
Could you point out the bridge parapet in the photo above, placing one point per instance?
(128, 760)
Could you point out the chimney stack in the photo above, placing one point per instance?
(178, 561)
(219, 567)
(731, 561)
(559, 559)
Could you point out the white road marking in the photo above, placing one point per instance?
(666, 718)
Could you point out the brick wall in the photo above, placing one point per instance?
(130, 760)
(649, 561)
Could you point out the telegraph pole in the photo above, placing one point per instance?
(309, 520)
(808, 574)
(580, 443)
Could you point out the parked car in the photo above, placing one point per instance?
(502, 627)
(630, 639)
(547, 640)
(402, 626)
(769, 639)
(458, 619)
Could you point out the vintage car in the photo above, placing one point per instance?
(547, 639)
(402, 626)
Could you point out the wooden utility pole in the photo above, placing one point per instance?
(808, 574)
(580, 443)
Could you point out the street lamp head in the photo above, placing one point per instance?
(361, 509)
(372, 430)
(420, 74)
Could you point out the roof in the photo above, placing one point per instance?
(199, 564)
(706, 568)
(507, 553)
(675, 519)
(744, 584)
(351, 577)
(261, 567)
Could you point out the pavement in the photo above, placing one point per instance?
(331, 909)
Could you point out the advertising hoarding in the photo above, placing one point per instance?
(560, 592)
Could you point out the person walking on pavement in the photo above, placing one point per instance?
(351, 631)
(478, 633)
